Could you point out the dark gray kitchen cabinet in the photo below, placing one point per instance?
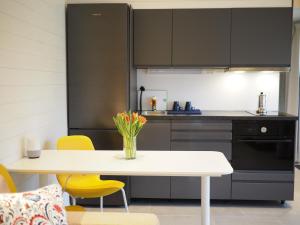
(102, 139)
(201, 135)
(190, 187)
(261, 37)
(205, 135)
(154, 136)
(268, 185)
(201, 37)
(152, 37)
(100, 77)
(98, 54)
(219, 146)
(150, 187)
(239, 37)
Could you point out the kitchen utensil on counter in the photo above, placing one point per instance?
(142, 89)
(145, 103)
(188, 106)
(188, 109)
(153, 103)
(176, 106)
(262, 99)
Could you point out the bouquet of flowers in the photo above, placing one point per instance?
(129, 125)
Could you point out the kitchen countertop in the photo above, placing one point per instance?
(223, 115)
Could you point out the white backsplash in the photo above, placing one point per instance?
(213, 90)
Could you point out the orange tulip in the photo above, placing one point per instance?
(127, 118)
(142, 120)
(134, 116)
(129, 124)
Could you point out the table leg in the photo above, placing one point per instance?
(205, 200)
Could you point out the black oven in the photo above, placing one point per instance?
(263, 145)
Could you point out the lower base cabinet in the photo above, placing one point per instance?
(203, 135)
(154, 136)
(262, 191)
(190, 187)
(178, 187)
(263, 186)
(150, 187)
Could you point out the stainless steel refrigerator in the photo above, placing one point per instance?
(100, 80)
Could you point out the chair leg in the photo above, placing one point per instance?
(101, 204)
(73, 200)
(125, 200)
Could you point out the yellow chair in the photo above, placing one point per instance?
(86, 186)
(7, 185)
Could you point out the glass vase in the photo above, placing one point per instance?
(129, 147)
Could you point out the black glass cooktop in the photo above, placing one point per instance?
(268, 113)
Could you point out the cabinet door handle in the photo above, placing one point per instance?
(96, 14)
(266, 141)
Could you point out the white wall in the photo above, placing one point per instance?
(32, 77)
(214, 91)
(292, 84)
(139, 4)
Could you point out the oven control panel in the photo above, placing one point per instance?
(270, 128)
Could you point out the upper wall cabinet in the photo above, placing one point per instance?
(248, 37)
(261, 37)
(201, 37)
(152, 37)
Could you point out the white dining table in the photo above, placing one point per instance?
(204, 164)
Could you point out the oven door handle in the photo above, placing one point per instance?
(265, 141)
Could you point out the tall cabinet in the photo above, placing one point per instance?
(100, 79)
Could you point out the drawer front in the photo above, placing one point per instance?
(262, 191)
(150, 187)
(264, 176)
(217, 125)
(190, 187)
(155, 135)
(224, 147)
(201, 135)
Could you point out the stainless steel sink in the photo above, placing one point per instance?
(154, 113)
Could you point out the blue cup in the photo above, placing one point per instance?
(188, 106)
(176, 106)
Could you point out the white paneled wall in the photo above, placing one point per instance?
(32, 77)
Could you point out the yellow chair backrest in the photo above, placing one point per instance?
(75, 142)
(7, 184)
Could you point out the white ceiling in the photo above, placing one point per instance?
(193, 3)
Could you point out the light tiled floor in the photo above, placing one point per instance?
(223, 213)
